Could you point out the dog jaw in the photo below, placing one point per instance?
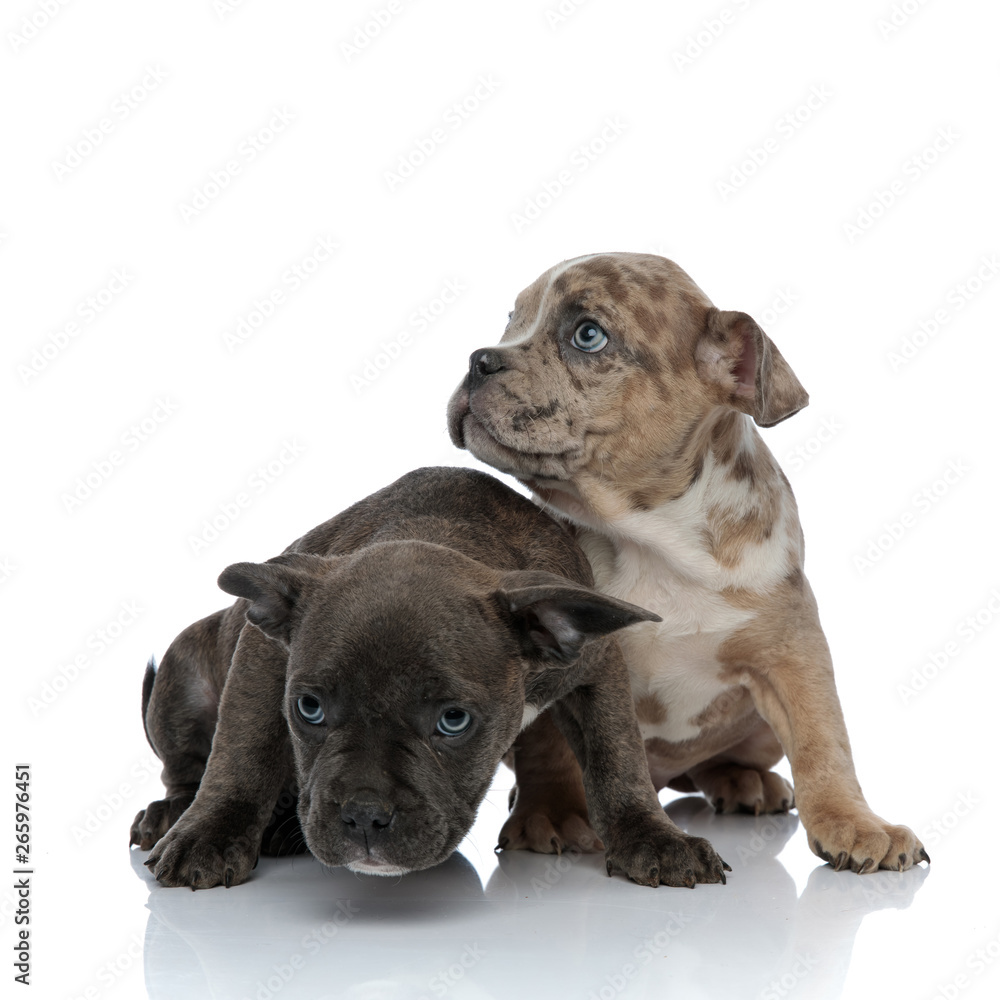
(474, 424)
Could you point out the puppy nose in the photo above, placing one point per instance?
(365, 813)
(487, 361)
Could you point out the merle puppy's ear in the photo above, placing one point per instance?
(555, 618)
(735, 354)
(274, 589)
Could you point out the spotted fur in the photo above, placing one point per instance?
(649, 446)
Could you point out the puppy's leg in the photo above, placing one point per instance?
(549, 810)
(180, 705)
(217, 840)
(741, 780)
(641, 841)
(786, 666)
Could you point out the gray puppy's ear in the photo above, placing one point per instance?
(274, 589)
(555, 619)
(735, 354)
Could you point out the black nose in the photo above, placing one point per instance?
(487, 361)
(365, 814)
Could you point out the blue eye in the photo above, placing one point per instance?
(589, 337)
(454, 722)
(310, 710)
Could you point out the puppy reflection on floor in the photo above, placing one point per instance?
(775, 938)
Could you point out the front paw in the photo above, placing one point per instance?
(734, 789)
(652, 851)
(548, 832)
(204, 851)
(151, 823)
(864, 843)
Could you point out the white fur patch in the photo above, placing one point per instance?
(531, 713)
(368, 868)
(532, 328)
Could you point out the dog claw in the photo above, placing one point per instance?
(228, 881)
(825, 855)
(924, 856)
(842, 861)
(609, 869)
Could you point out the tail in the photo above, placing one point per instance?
(147, 692)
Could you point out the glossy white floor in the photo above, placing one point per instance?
(518, 924)
(179, 398)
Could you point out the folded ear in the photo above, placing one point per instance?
(274, 589)
(735, 354)
(555, 619)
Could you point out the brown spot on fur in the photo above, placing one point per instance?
(735, 702)
(649, 708)
(740, 597)
(730, 534)
(727, 437)
(675, 475)
(744, 468)
(749, 518)
(646, 360)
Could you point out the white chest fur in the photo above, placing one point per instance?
(675, 660)
(662, 560)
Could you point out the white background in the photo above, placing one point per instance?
(587, 133)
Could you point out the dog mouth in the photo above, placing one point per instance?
(378, 859)
(412, 841)
(485, 443)
(476, 429)
(458, 410)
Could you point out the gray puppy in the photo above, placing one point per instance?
(376, 673)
